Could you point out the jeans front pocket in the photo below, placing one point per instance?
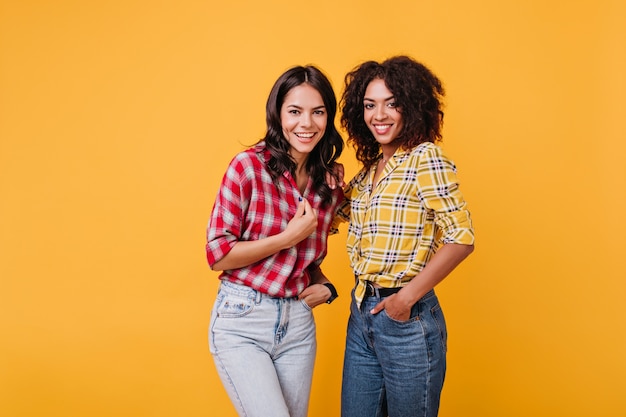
(306, 306)
(232, 306)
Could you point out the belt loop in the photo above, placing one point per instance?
(371, 289)
(258, 296)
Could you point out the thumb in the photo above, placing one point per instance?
(307, 207)
(301, 209)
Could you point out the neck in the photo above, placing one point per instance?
(387, 151)
(302, 178)
(300, 160)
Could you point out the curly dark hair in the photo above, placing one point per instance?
(418, 95)
(329, 148)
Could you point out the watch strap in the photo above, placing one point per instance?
(333, 292)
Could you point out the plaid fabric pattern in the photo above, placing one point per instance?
(249, 206)
(396, 228)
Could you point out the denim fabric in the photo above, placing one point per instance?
(394, 368)
(264, 351)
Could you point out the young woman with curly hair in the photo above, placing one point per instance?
(409, 228)
(268, 235)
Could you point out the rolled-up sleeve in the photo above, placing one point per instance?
(343, 212)
(439, 190)
(226, 220)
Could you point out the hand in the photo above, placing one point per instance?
(395, 306)
(336, 177)
(303, 223)
(315, 294)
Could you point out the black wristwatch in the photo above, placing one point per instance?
(333, 292)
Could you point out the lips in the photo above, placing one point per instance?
(382, 129)
(305, 137)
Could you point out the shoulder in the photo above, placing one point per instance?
(426, 149)
(243, 168)
(429, 151)
(253, 157)
(358, 178)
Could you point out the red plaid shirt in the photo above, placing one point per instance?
(249, 206)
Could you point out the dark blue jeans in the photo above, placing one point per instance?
(394, 368)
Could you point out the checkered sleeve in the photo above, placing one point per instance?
(226, 220)
(343, 211)
(439, 189)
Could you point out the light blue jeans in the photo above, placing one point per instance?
(394, 368)
(264, 351)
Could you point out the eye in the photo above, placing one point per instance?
(319, 112)
(294, 111)
(392, 104)
(368, 106)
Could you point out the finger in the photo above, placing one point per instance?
(331, 181)
(378, 308)
(304, 293)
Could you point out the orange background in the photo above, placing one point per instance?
(117, 121)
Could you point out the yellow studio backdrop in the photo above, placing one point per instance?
(118, 119)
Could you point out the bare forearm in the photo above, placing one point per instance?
(439, 267)
(317, 276)
(245, 253)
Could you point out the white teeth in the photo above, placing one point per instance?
(305, 135)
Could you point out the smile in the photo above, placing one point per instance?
(382, 128)
(305, 135)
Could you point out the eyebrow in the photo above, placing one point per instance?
(387, 99)
(300, 108)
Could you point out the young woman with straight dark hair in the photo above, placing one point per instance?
(268, 235)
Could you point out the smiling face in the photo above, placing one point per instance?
(303, 119)
(382, 116)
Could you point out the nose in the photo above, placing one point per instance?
(305, 120)
(380, 113)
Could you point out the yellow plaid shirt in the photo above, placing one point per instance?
(395, 228)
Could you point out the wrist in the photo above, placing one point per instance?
(409, 295)
(333, 292)
(285, 240)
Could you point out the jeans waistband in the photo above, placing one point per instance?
(245, 291)
(371, 291)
